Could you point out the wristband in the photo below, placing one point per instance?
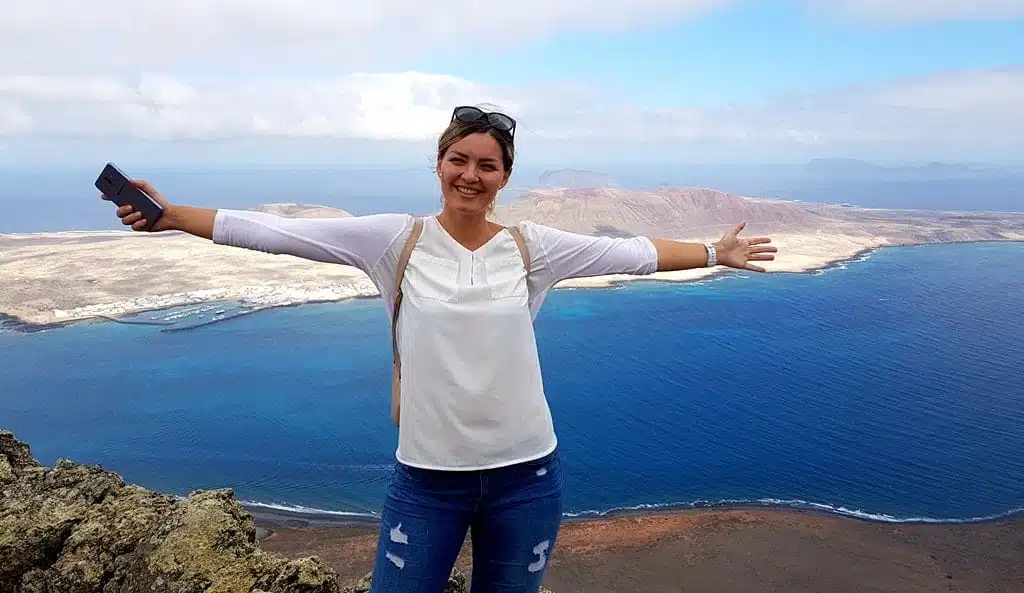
(712, 255)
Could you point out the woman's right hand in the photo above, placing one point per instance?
(130, 217)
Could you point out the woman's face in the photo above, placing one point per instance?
(472, 173)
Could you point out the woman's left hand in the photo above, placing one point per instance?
(736, 252)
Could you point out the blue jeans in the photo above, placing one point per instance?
(513, 514)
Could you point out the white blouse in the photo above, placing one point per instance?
(472, 395)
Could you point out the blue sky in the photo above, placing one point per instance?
(714, 80)
(743, 55)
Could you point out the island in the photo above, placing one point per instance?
(62, 277)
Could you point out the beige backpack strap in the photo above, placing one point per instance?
(403, 261)
(521, 244)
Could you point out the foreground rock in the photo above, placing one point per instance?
(78, 529)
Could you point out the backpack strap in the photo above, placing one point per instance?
(521, 244)
(403, 261)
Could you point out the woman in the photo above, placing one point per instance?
(476, 445)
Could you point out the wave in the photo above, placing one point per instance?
(724, 504)
(795, 504)
(302, 510)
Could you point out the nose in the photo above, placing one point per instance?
(469, 174)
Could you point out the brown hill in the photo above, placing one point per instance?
(675, 212)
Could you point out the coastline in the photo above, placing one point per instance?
(350, 283)
(271, 519)
(724, 550)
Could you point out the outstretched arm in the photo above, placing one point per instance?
(572, 255)
(730, 250)
(190, 219)
(677, 255)
(358, 241)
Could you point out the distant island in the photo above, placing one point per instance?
(55, 278)
(842, 167)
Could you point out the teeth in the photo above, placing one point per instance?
(467, 191)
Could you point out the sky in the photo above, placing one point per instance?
(250, 82)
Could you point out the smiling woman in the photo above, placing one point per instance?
(476, 444)
(475, 162)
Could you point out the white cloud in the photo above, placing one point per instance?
(109, 37)
(117, 37)
(269, 69)
(399, 105)
(960, 114)
(919, 11)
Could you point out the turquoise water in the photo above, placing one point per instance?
(890, 388)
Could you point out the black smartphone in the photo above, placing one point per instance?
(115, 185)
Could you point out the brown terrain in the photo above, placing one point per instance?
(726, 551)
(672, 212)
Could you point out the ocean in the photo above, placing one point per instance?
(890, 388)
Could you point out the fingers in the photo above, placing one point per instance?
(127, 213)
(761, 257)
(759, 240)
(754, 268)
(129, 217)
(132, 218)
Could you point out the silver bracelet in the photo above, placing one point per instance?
(712, 254)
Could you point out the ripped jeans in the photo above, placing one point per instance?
(513, 514)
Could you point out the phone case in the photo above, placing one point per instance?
(115, 185)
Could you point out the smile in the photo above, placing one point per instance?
(467, 191)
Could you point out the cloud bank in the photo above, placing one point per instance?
(110, 36)
(961, 113)
(225, 70)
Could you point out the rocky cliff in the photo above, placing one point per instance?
(79, 529)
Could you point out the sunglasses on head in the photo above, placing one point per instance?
(498, 121)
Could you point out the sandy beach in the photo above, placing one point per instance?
(724, 551)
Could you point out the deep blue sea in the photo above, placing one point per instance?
(891, 387)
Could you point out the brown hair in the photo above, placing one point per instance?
(457, 130)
